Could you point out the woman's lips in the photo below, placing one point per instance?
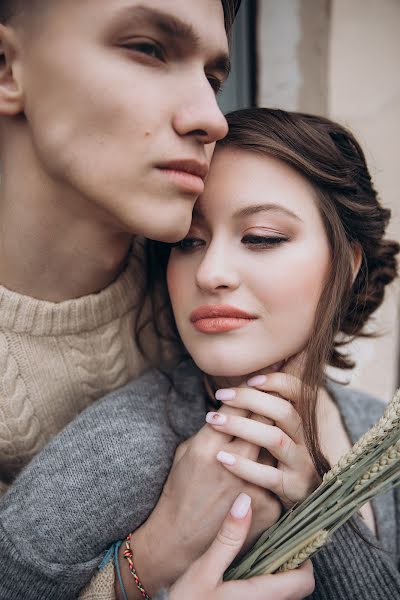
(219, 318)
(220, 324)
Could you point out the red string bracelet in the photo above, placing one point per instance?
(128, 554)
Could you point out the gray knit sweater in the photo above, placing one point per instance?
(102, 476)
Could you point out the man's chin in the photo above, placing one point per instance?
(172, 230)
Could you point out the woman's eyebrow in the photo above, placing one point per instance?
(269, 206)
(174, 28)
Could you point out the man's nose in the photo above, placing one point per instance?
(199, 115)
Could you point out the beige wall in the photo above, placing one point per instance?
(293, 43)
(341, 59)
(364, 92)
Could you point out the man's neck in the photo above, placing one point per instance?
(60, 268)
(57, 274)
(51, 252)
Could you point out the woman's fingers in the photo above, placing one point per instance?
(277, 410)
(229, 540)
(295, 584)
(244, 448)
(251, 451)
(265, 476)
(214, 437)
(276, 441)
(204, 578)
(292, 585)
(286, 385)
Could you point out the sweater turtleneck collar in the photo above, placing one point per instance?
(23, 314)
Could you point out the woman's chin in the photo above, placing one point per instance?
(221, 370)
(242, 368)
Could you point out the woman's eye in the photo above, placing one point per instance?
(188, 244)
(146, 47)
(261, 241)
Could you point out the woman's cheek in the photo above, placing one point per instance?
(292, 282)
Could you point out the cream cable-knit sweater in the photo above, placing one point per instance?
(56, 359)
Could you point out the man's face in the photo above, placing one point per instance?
(120, 103)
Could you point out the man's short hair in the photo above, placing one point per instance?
(8, 9)
(231, 8)
(12, 8)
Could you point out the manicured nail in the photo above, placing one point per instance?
(215, 418)
(225, 394)
(241, 506)
(257, 380)
(226, 458)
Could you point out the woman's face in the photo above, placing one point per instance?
(245, 282)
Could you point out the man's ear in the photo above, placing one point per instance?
(357, 259)
(11, 89)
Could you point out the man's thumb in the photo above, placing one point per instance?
(229, 540)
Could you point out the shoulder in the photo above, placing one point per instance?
(359, 410)
(148, 416)
(171, 398)
(112, 434)
(103, 474)
(152, 386)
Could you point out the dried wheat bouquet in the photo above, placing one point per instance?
(370, 468)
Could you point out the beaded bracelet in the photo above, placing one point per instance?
(128, 554)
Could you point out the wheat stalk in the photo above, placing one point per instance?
(387, 423)
(371, 467)
(391, 455)
(308, 550)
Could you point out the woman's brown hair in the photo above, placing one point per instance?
(330, 158)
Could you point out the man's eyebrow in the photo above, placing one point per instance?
(269, 206)
(173, 27)
(165, 22)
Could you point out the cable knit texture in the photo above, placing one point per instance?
(102, 586)
(56, 359)
(102, 476)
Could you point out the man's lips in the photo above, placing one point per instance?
(219, 318)
(190, 166)
(187, 174)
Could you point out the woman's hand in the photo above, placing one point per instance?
(196, 497)
(204, 578)
(273, 424)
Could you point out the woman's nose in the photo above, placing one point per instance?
(216, 271)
